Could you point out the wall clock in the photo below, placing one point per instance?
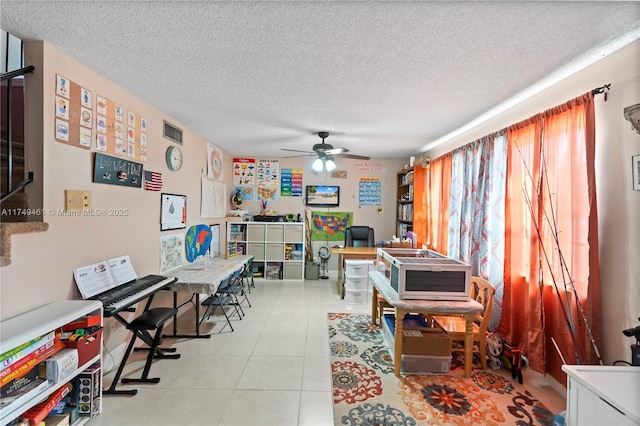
(174, 158)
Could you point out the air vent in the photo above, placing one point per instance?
(172, 133)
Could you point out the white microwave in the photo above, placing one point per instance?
(425, 274)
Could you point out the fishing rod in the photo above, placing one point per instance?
(566, 311)
(554, 228)
(555, 284)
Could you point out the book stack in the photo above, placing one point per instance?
(20, 378)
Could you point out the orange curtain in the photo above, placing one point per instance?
(438, 192)
(551, 238)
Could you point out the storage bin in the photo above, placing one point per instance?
(296, 254)
(356, 282)
(311, 271)
(359, 268)
(293, 270)
(293, 233)
(275, 232)
(427, 364)
(416, 364)
(275, 251)
(88, 347)
(272, 270)
(355, 297)
(255, 232)
(256, 250)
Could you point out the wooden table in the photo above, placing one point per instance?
(468, 309)
(351, 253)
(201, 279)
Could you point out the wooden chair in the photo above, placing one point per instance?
(382, 305)
(482, 291)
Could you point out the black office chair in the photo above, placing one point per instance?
(359, 236)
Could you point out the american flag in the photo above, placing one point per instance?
(152, 180)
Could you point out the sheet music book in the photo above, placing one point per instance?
(105, 275)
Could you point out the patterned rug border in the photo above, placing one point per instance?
(366, 391)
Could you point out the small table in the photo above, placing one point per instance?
(351, 253)
(202, 278)
(468, 309)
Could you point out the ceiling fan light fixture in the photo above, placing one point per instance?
(330, 164)
(317, 165)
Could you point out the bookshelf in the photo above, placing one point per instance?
(38, 322)
(277, 247)
(404, 202)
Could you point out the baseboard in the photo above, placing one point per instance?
(112, 358)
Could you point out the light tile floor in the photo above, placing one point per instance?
(272, 370)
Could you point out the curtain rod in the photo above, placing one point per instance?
(602, 89)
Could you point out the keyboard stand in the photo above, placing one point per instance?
(147, 338)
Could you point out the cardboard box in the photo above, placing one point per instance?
(61, 364)
(419, 338)
(57, 420)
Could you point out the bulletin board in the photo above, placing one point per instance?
(119, 133)
(73, 114)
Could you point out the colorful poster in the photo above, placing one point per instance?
(370, 192)
(267, 173)
(291, 183)
(327, 226)
(244, 172)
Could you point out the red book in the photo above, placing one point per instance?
(25, 365)
(37, 413)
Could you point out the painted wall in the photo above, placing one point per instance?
(42, 264)
(618, 204)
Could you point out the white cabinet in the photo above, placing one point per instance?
(33, 324)
(602, 395)
(277, 247)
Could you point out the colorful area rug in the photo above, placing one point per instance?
(366, 391)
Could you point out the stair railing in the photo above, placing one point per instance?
(9, 76)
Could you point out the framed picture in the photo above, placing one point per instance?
(635, 163)
(173, 211)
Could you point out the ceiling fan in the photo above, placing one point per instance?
(326, 151)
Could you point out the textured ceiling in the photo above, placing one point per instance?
(385, 78)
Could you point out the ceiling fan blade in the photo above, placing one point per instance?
(336, 151)
(297, 150)
(356, 157)
(301, 155)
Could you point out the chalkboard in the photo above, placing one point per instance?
(117, 171)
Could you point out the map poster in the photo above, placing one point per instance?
(330, 226)
(171, 252)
